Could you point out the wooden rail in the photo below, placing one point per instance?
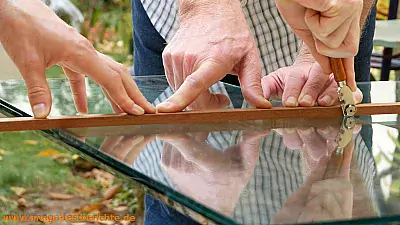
(94, 120)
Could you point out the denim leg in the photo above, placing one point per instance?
(148, 43)
(158, 213)
(362, 66)
(362, 61)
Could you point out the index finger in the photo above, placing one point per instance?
(130, 86)
(346, 163)
(199, 81)
(87, 60)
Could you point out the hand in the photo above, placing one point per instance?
(328, 27)
(35, 39)
(328, 200)
(213, 40)
(303, 84)
(125, 148)
(197, 167)
(318, 199)
(314, 142)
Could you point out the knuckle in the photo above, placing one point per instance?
(76, 81)
(83, 49)
(36, 91)
(177, 55)
(116, 85)
(294, 89)
(76, 93)
(85, 44)
(314, 88)
(190, 57)
(115, 76)
(195, 82)
(166, 54)
(121, 69)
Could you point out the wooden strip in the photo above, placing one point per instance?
(23, 123)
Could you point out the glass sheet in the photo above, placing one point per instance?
(246, 172)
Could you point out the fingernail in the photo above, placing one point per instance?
(327, 99)
(290, 130)
(40, 111)
(226, 103)
(307, 99)
(163, 106)
(291, 101)
(325, 130)
(333, 101)
(307, 131)
(138, 110)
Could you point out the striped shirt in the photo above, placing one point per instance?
(277, 45)
(278, 173)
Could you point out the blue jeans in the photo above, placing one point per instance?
(148, 43)
(158, 213)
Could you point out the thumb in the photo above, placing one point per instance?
(270, 86)
(38, 92)
(348, 64)
(358, 96)
(250, 81)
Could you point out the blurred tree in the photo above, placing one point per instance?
(67, 11)
(107, 20)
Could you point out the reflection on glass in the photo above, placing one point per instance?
(154, 88)
(258, 176)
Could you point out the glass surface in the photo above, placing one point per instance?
(154, 88)
(245, 172)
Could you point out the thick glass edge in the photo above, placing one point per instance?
(56, 135)
(378, 220)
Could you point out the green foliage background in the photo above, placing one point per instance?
(112, 17)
